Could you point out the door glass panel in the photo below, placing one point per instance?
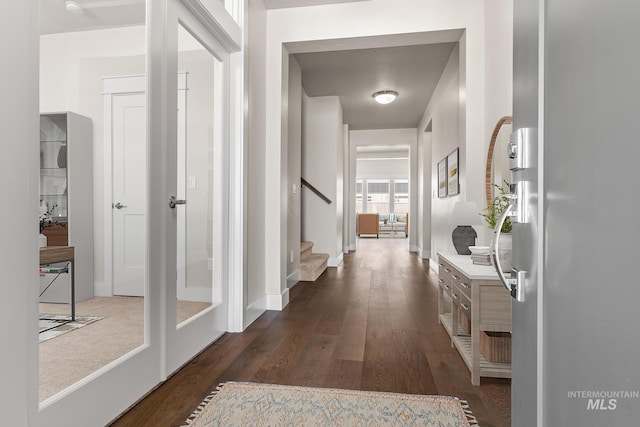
(79, 46)
(197, 219)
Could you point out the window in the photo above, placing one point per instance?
(401, 196)
(378, 196)
(359, 195)
(382, 195)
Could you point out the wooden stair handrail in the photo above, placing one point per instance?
(316, 191)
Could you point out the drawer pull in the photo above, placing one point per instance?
(455, 277)
(441, 265)
(440, 280)
(447, 270)
(447, 287)
(455, 296)
(465, 285)
(464, 306)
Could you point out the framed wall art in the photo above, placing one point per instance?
(453, 173)
(442, 178)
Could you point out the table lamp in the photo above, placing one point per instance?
(464, 215)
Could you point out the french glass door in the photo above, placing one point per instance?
(197, 136)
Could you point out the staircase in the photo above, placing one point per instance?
(311, 265)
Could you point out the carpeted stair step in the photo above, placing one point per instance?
(305, 250)
(312, 267)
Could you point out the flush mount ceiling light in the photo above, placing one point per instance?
(73, 7)
(385, 96)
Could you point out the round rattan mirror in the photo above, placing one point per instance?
(497, 169)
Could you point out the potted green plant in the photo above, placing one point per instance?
(497, 207)
(492, 215)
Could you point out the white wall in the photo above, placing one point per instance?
(322, 167)
(499, 36)
(443, 112)
(293, 167)
(423, 240)
(452, 94)
(19, 254)
(255, 57)
(374, 18)
(348, 196)
(382, 168)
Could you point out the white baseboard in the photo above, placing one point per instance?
(277, 301)
(433, 264)
(293, 278)
(352, 247)
(102, 290)
(254, 310)
(335, 262)
(414, 248)
(345, 249)
(424, 254)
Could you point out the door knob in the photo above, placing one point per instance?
(173, 202)
(119, 205)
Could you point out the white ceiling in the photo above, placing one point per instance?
(279, 4)
(98, 14)
(354, 75)
(352, 69)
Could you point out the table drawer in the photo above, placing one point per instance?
(445, 272)
(465, 305)
(461, 282)
(445, 285)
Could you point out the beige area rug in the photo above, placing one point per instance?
(251, 404)
(68, 358)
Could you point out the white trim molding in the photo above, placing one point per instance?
(218, 22)
(277, 302)
(293, 278)
(254, 310)
(335, 262)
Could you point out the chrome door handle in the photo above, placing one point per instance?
(119, 205)
(513, 284)
(173, 202)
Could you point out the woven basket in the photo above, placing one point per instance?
(496, 346)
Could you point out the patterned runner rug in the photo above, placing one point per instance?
(251, 404)
(53, 325)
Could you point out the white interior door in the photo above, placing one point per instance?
(129, 190)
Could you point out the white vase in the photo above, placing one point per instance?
(505, 246)
(42, 240)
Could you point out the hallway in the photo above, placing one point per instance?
(370, 324)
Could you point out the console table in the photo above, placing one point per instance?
(474, 290)
(53, 254)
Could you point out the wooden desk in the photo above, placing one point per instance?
(53, 254)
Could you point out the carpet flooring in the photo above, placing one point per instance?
(68, 358)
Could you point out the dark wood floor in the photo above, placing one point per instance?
(370, 324)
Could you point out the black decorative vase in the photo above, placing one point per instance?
(463, 236)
